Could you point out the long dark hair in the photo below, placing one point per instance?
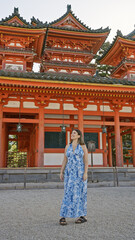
(80, 140)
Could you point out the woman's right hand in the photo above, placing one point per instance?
(61, 176)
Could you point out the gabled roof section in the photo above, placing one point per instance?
(15, 19)
(70, 22)
(131, 35)
(115, 47)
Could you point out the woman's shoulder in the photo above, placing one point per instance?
(67, 146)
(83, 147)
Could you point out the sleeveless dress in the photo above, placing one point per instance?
(75, 189)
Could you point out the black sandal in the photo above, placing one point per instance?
(63, 221)
(81, 220)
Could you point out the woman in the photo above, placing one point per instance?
(75, 164)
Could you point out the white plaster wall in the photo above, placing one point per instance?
(13, 104)
(92, 126)
(106, 108)
(68, 137)
(69, 107)
(101, 146)
(56, 116)
(54, 125)
(92, 117)
(53, 158)
(57, 158)
(53, 106)
(97, 159)
(29, 105)
(126, 109)
(91, 108)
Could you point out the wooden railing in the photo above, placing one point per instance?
(17, 49)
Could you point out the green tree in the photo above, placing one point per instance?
(103, 70)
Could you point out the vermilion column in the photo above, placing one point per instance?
(104, 150)
(80, 119)
(1, 145)
(40, 160)
(109, 150)
(133, 145)
(117, 139)
(36, 147)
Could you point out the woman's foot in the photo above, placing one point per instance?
(81, 220)
(63, 221)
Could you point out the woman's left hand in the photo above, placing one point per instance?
(85, 176)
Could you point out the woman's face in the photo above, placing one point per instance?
(74, 135)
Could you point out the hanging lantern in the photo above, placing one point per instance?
(104, 130)
(63, 127)
(19, 127)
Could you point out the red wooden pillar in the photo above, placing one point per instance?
(104, 150)
(1, 138)
(40, 160)
(133, 145)
(109, 150)
(80, 119)
(36, 146)
(117, 139)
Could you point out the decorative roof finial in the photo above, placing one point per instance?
(119, 33)
(16, 11)
(68, 8)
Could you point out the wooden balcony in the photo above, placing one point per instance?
(17, 50)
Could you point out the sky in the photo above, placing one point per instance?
(115, 14)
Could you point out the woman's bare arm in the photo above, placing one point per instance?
(85, 158)
(63, 164)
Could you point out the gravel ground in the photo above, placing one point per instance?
(34, 215)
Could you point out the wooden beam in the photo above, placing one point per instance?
(16, 120)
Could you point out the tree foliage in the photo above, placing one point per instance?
(103, 70)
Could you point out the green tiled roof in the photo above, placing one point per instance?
(66, 77)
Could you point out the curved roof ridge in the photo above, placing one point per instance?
(119, 34)
(131, 34)
(77, 19)
(99, 30)
(14, 14)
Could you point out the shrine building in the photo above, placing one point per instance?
(38, 110)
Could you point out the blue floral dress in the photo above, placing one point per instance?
(75, 189)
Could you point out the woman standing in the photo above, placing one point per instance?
(75, 164)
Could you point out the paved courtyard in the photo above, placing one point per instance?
(34, 215)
